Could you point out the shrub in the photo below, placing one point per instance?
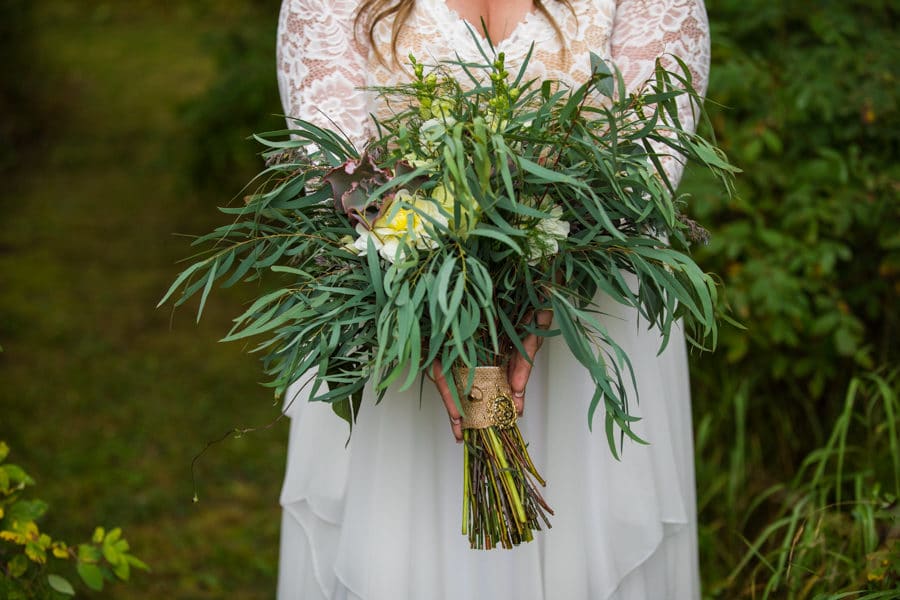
(30, 558)
(809, 254)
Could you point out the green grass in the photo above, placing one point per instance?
(827, 527)
(104, 398)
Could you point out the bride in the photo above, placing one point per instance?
(379, 518)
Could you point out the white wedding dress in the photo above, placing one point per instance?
(380, 518)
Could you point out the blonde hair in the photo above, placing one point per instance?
(372, 12)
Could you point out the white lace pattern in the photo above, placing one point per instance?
(323, 65)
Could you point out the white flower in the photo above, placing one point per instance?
(554, 226)
(361, 243)
(547, 234)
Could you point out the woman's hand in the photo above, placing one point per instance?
(519, 369)
(437, 375)
(518, 373)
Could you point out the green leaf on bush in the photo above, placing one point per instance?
(14, 594)
(17, 566)
(137, 563)
(113, 536)
(61, 585)
(26, 510)
(25, 567)
(17, 474)
(88, 553)
(36, 552)
(122, 569)
(111, 552)
(91, 575)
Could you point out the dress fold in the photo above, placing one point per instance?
(381, 518)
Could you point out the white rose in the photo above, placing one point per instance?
(547, 233)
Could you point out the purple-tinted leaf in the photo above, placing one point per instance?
(352, 184)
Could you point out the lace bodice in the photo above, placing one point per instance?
(323, 65)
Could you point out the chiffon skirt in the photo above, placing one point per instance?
(380, 518)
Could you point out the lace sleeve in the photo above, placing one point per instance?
(645, 30)
(322, 66)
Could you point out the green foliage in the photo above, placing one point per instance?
(104, 400)
(459, 222)
(757, 419)
(830, 528)
(810, 257)
(27, 555)
(809, 249)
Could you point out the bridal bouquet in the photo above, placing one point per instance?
(482, 200)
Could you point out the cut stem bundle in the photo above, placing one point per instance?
(502, 505)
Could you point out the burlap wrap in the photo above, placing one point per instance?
(489, 402)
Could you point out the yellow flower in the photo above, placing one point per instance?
(396, 221)
(409, 221)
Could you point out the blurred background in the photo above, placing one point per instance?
(123, 126)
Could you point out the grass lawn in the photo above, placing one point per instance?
(104, 398)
